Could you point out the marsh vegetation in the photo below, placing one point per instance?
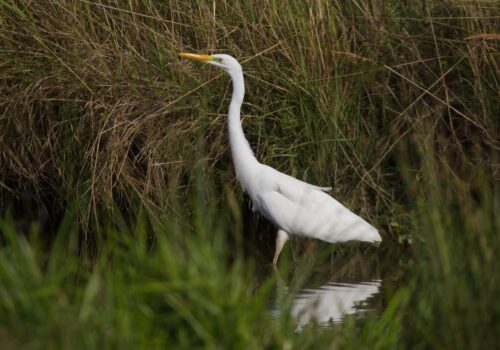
(122, 225)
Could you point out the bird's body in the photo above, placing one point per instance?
(294, 206)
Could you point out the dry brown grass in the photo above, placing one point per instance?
(95, 106)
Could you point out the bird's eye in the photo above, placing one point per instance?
(218, 59)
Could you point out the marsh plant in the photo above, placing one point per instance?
(122, 224)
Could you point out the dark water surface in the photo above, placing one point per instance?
(330, 303)
(321, 284)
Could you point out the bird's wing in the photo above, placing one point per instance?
(305, 210)
(279, 178)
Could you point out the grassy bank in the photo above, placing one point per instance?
(176, 291)
(122, 224)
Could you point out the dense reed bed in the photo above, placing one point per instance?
(122, 224)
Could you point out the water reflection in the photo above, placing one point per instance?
(322, 283)
(328, 303)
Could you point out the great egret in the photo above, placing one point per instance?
(294, 206)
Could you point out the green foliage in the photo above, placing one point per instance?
(456, 274)
(394, 104)
(95, 103)
(151, 286)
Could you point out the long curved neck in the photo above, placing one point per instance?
(243, 159)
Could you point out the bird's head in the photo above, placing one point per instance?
(225, 62)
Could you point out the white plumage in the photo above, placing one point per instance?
(294, 206)
(306, 210)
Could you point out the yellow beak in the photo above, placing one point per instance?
(196, 57)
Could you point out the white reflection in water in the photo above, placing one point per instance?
(329, 303)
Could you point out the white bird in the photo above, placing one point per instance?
(294, 206)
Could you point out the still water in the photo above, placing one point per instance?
(330, 303)
(321, 285)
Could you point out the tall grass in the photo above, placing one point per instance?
(394, 104)
(176, 290)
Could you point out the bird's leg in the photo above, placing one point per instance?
(281, 238)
